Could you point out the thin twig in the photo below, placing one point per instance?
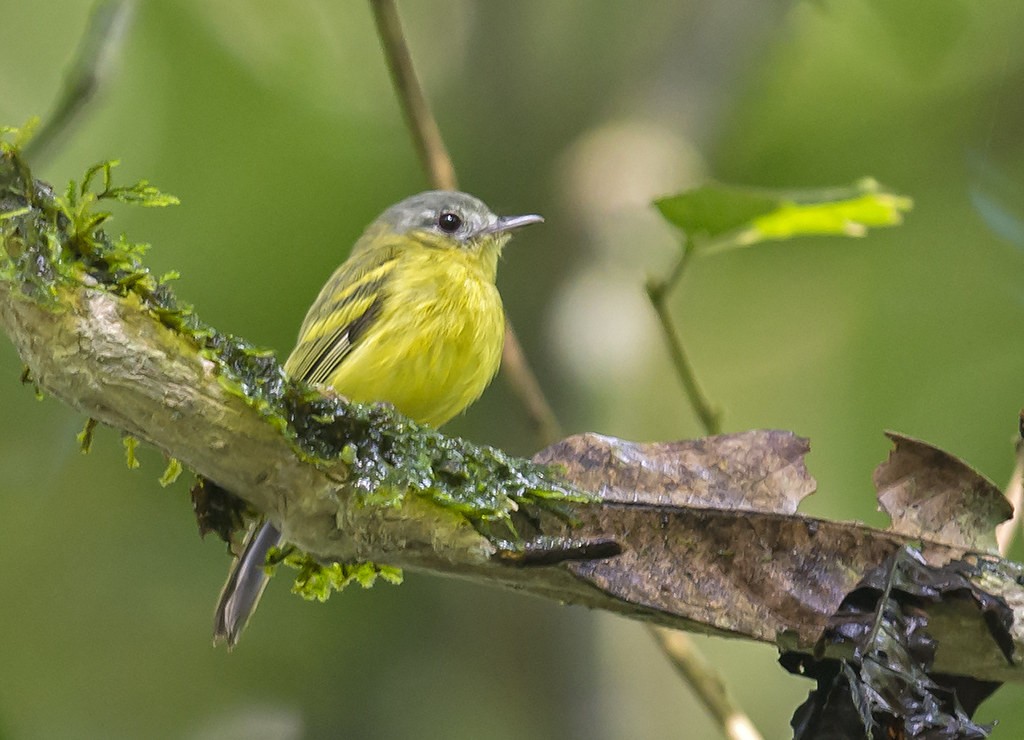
(520, 376)
(689, 662)
(1007, 531)
(705, 682)
(85, 74)
(438, 165)
(695, 669)
(657, 291)
(880, 609)
(426, 135)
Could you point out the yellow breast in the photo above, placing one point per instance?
(437, 342)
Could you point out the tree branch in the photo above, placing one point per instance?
(119, 365)
(693, 555)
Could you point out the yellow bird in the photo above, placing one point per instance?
(413, 318)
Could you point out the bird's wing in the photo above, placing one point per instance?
(348, 305)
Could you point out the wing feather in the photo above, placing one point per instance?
(348, 305)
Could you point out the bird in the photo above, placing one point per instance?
(412, 318)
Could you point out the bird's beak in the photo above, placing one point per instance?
(511, 223)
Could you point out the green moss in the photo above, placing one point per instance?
(316, 581)
(389, 456)
(130, 445)
(27, 379)
(51, 242)
(84, 437)
(171, 473)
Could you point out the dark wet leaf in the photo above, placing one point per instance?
(833, 709)
(887, 688)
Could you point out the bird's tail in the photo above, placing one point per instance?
(244, 587)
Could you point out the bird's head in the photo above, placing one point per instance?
(445, 219)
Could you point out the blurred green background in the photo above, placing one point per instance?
(276, 126)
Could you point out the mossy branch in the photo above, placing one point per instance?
(101, 334)
(62, 274)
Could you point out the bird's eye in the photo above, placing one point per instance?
(449, 222)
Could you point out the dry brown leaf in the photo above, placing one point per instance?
(760, 470)
(935, 496)
(709, 533)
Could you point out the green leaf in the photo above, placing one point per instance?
(729, 217)
(847, 217)
(711, 210)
